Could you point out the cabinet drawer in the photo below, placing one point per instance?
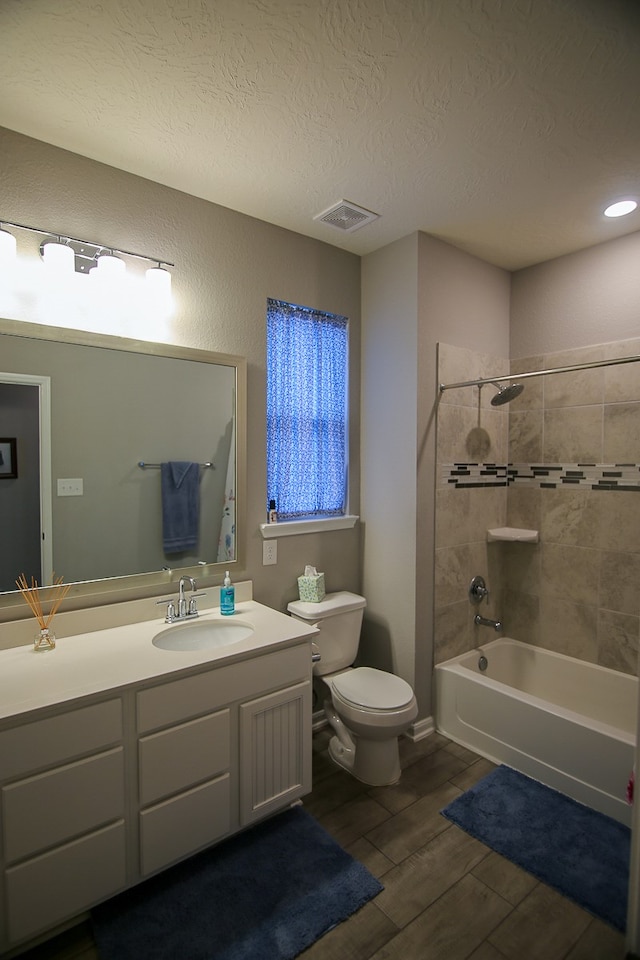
(175, 759)
(52, 807)
(182, 699)
(31, 746)
(180, 826)
(62, 883)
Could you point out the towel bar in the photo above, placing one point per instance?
(154, 466)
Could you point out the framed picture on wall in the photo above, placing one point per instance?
(8, 458)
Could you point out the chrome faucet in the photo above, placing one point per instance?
(478, 592)
(486, 622)
(185, 610)
(182, 600)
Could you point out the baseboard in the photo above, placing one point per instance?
(421, 729)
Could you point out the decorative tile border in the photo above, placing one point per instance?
(463, 475)
(594, 476)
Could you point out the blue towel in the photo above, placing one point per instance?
(180, 505)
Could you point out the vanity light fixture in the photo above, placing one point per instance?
(67, 254)
(621, 208)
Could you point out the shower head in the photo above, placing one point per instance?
(506, 394)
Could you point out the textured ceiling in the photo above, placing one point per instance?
(501, 127)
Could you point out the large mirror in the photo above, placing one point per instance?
(87, 420)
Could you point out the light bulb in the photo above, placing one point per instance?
(7, 247)
(110, 266)
(158, 281)
(58, 256)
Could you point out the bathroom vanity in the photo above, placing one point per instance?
(118, 759)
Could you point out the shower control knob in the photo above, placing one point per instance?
(478, 590)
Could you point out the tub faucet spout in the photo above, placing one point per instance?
(486, 622)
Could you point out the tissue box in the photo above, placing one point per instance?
(311, 588)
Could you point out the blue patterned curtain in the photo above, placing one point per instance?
(307, 390)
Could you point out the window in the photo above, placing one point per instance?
(307, 391)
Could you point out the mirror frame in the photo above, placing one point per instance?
(91, 593)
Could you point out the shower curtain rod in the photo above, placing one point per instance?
(540, 373)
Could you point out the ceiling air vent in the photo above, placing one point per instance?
(347, 216)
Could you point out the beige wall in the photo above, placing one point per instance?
(388, 484)
(588, 300)
(415, 292)
(584, 298)
(470, 430)
(576, 590)
(226, 265)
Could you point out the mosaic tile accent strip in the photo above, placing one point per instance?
(594, 476)
(463, 475)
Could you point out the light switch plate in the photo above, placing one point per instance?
(70, 487)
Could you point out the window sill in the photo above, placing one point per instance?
(289, 528)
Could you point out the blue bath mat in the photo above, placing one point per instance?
(579, 852)
(268, 893)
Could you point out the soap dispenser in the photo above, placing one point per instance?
(227, 596)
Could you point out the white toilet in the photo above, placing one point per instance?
(368, 709)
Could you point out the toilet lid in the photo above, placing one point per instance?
(373, 689)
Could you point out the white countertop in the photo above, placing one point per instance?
(108, 659)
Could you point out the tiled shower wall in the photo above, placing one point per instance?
(576, 591)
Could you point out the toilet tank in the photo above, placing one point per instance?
(339, 619)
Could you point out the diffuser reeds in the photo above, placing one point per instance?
(31, 593)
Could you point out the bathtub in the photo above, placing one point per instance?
(564, 722)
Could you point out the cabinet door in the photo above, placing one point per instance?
(275, 751)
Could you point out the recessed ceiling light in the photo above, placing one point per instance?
(621, 208)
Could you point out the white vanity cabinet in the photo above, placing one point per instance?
(203, 774)
(97, 798)
(63, 816)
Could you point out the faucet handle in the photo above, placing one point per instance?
(193, 606)
(171, 608)
(478, 590)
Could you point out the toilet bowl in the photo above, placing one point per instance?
(368, 709)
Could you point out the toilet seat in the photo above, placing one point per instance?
(371, 689)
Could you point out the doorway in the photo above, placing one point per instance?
(25, 492)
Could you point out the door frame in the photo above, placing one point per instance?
(44, 427)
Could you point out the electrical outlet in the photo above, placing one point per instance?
(71, 487)
(269, 552)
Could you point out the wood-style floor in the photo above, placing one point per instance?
(446, 896)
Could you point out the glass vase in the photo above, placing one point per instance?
(45, 639)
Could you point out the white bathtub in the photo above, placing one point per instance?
(567, 723)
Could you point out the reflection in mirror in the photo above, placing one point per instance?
(82, 505)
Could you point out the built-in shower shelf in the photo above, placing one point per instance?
(514, 534)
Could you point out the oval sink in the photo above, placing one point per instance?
(202, 635)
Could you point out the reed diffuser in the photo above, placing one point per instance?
(46, 639)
